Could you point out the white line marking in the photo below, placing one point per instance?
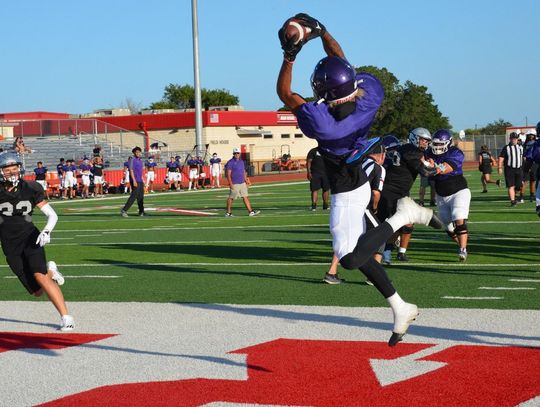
(113, 233)
(524, 280)
(88, 235)
(506, 288)
(447, 297)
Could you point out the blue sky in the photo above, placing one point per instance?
(478, 58)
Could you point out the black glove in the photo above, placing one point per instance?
(290, 49)
(317, 28)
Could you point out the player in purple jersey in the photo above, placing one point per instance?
(41, 177)
(453, 197)
(339, 120)
(22, 242)
(86, 170)
(533, 154)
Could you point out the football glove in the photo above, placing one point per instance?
(43, 238)
(290, 49)
(317, 28)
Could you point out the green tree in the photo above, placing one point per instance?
(496, 127)
(183, 97)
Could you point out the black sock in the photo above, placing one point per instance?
(377, 275)
(366, 246)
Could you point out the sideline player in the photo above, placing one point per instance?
(533, 154)
(85, 169)
(22, 242)
(316, 174)
(41, 177)
(485, 165)
(193, 165)
(150, 174)
(453, 197)
(339, 120)
(97, 170)
(215, 171)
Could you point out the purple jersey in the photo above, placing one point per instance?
(85, 167)
(40, 173)
(215, 161)
(136, 165)
(193, 163)
(172, 166)
(237, 168)
(344, 136)
(533, 153)
(448, 184)
(150, 165)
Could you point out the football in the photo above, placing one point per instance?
(297, 32)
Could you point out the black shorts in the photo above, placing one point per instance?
(485, 169)
(24, 263)
(513, 177)
(530, 170)
(318, 181)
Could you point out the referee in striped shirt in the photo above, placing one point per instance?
(511, 158)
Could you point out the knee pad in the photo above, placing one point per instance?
(407, 230)
(461, 229)
(451, 234)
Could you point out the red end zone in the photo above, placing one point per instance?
(338, 373)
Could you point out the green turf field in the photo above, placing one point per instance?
(280, 256)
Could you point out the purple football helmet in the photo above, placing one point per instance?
(440, 142)
(333, 78)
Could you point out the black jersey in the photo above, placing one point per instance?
(317, 163)
(406, 164)
(97, 169)
(16, 208)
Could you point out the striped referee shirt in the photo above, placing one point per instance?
(513, 155)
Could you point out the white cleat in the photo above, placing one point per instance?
(402, 319)
(68, 323)
(56, 275)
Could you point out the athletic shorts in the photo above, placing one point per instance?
(347, 220)
(454, 207)
(31, 259)
(173, 176)
(216, 171)
(238, 190)
(513, 177)
(202, 175)
(98, 179)
(85, 179)
(150, 176)
(319, 181)
(193, 173)
(69, 180)
(485, 169)
(43, 184)
(126, 177)
(529, 171)
(424, 182)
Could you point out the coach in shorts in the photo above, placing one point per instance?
(235, 171)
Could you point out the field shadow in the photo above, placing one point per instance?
(436, 333)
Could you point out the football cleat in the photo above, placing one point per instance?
(402, 320)
(68, 323)
(462, 254)
(402, 257)
(332, 279)
(254, 213)
(56, 275)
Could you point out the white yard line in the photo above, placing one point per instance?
(70, 277)
(448, 297)
(507, 288)
(524, 280)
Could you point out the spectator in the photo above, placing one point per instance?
(485, 162)
(202, 174)
(19, 147)
(137, 183)
(41, 177)
(316, 174)
(97, 170)
(215, 171)
(511, 160)
(60, 172)
(236, 174)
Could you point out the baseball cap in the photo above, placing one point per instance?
(235, 150)
(514, 135)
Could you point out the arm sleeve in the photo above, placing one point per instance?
(51, 215)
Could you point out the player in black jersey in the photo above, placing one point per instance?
(407, 162)
(22, 242)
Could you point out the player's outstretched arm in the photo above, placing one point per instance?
(45, 235)
(331, 46)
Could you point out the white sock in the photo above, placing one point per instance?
(395, 302)
(402, 250)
